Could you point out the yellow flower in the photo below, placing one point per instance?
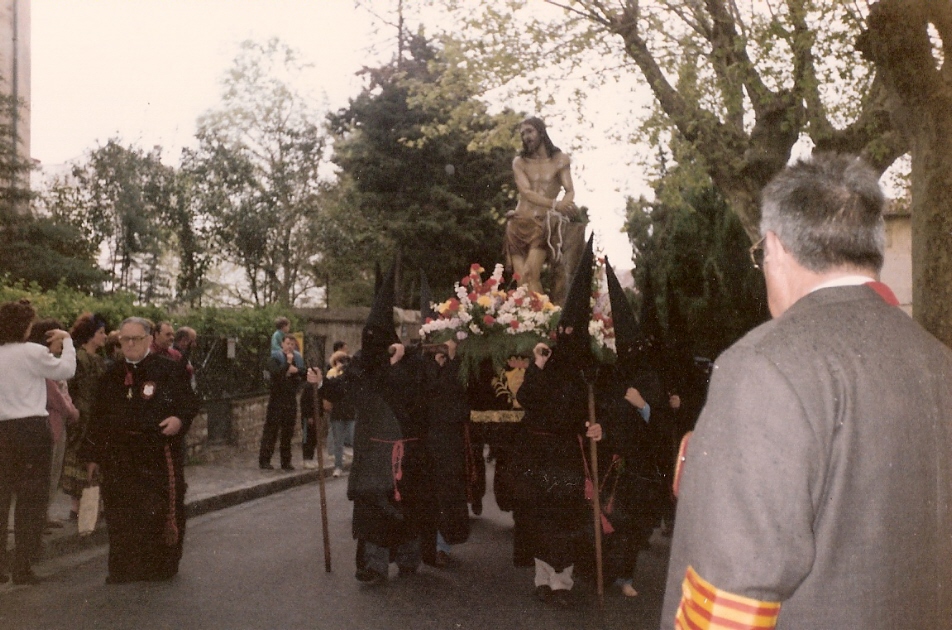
(484, 300)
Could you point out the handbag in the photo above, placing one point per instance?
(88, 511)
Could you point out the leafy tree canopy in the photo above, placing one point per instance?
(429, 177)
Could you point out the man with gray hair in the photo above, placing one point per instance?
(143, 410)
(816, 488)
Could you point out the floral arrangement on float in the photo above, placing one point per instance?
(491, 319)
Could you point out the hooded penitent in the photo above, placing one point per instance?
(573, 344)
(629, 341)
(378, 333)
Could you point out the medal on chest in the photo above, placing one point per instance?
(148, 390)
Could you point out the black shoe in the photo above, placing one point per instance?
(542, 593)
(287, 467)
(407, 571)
(368, 576)
(26, 577)
(477, 507)
(265, 466)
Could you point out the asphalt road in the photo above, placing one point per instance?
(261, 565)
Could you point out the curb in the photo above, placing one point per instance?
(73, 543)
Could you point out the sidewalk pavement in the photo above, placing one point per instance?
(230, 478)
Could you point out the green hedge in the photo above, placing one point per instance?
(217, 376)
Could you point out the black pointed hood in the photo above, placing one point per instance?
(629, 340)
(426, 300)
(577, 312)
(378, 333)
(627, 331)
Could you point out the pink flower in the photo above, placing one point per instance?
(516, 277)
(473, 296)
(514, 324)
(489, 320)
(465, 281)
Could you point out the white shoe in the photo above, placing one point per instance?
(338, 472)
(310, 464)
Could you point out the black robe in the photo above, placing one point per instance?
(447, 413)
(386, 480)
(629, 481)
(551, 482)
(143, 487)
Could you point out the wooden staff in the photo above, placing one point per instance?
(319, 427)
(596, 499)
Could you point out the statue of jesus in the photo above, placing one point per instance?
(534, 231)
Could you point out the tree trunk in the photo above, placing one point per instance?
(920, 102)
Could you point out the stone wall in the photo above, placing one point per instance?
(233, 424)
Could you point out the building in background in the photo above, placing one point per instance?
(15, 85)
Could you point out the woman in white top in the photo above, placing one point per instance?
(25, 443)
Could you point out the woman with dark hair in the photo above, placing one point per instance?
(25, 445)
(89, 335)
(60, 407)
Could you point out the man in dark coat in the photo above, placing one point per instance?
(286, 368)
(386, 476)
(143, 409)
(817, 487)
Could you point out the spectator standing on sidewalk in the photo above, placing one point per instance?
(286, 369)
(342, 414)
(143, 410)
(25, 444)
(60, 407)
(89, 335)
(185, 339)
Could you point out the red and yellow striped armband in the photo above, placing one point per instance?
(706, 607)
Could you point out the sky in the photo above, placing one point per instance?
(143, 71)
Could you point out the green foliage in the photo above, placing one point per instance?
(66, 303)
(120, 197)
(427, 189)
(41, 250)
(695, 256)
(255, 177)
(218, 376)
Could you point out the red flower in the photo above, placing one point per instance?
(514, 324)
(465, 281)
(490, 283)
(473, 297)
(489, 320)
(453, 305)
(516, 277)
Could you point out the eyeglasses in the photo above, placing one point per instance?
(757, 253)
(135, 339)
